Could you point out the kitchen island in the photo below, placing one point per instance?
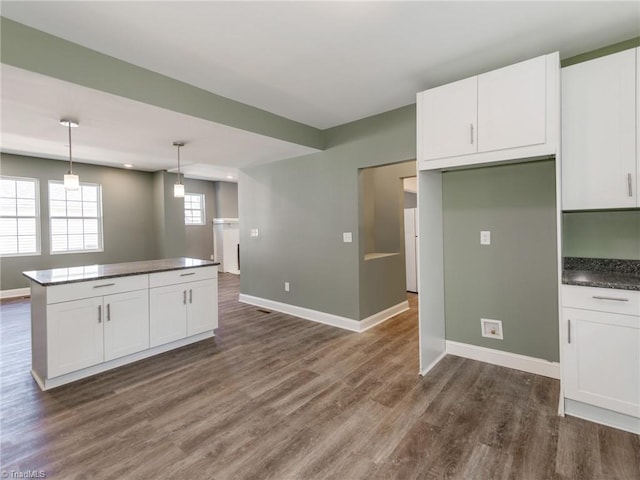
(89, 319)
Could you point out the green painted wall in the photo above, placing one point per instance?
(302, 206)
(128, 216)
(226, 200)
(36, 51)
(601, 52)
(515, 278)
(612, 234)
(169, 229)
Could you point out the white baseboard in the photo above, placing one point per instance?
(602, 416)
(378, 318)
(14, 293)
(524, 363)
(326, 318)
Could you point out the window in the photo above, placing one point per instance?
(194, 208)
(19, 216)
(75, 217)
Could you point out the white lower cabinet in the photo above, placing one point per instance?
(86, 332)
(202, 311)
(602, 348)
(75, 337)
(182, 304)
(602, 361)
(126, 324)
(169, 314)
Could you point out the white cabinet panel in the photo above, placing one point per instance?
(96, 288)
(202, 311)
(499, 116)
(512, 106)
(625, 302)
(168, 314)
(175, 277)
(599, 160)
(75, 335)
(126, 325)
(447, 119)
(602, 360)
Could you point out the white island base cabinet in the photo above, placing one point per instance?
(183, 303)
(83, 328)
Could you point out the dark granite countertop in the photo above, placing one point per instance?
(59, 276)
(602, 273)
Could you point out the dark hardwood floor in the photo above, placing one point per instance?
(276, 397)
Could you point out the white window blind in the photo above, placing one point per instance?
(75, 218)
(194, 209)
(19, 216)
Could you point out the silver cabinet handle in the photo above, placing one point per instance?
(568, 331)
(615, 299)
(190, 296)
(471, 132)
(104, 285)
(108, 312)
(187, 274)
(99, 313)
(630, 184)
(184, 297)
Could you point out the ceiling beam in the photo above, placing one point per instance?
(36, 51)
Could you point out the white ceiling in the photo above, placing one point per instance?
(320, 63)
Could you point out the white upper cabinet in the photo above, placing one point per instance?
(502, 115)
(452, 131)
(512, 106)
(599, 126)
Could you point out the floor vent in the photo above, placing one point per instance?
(263, 311)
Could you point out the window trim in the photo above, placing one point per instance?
(99, 217)
(37, 218)
(203, 215)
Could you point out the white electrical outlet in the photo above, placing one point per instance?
(211, 257)
(491, 328)
(286, 286)
(347, 237)
(254, 232)
(485, 237)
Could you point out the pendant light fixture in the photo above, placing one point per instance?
(71, 180)
(178, 188)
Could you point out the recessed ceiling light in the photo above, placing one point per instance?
(128, 165)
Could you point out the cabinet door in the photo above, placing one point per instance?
(602, 360)
(599, 133)
(448, 116)
(202, 311)
(167, 314)
(126, 323)
(512, 106)
(74, 335)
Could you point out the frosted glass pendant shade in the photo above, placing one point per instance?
(178, 190)
(71, 181)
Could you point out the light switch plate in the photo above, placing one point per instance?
(254, 232)
(347, 237)
(485, 237)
